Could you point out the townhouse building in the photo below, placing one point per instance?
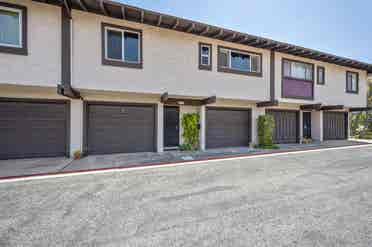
(103, 77)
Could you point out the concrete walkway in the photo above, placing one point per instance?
(21, 167)
(25, 167)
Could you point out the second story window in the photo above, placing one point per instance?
(320, 75)
(236, 61)
(297, 79)
(352, 82)
(13, 28)
(205, 56)
(122, 46)
(298, 70)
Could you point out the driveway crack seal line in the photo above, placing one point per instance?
(173, 164)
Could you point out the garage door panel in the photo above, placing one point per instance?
(33, 129)
(120, 128)
(33, 110)
(334, 125)
(286, 126)
(228, 128)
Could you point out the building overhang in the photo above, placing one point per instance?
(139, 15)
(268, 103)
(332, 107)
(360, 109)
(311, 107)
(180, 100)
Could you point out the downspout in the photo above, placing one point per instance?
(65, 88)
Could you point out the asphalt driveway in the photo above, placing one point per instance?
(312, 199)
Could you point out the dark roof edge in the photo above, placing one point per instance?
(149, 17)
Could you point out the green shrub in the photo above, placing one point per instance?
(190, 125)
(266, 125)
(185, 147)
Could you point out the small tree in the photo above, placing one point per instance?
(190, 125)
(266, 125)
(361, 122)
(357, 124)
(361, 125)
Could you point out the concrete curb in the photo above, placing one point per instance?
(134, 167)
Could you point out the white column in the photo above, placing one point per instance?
(256, 112)
(301, 126)
(317, 125)
(348, 126)
(76, 126)
(321, 126)
(202, 127)
(160, 128)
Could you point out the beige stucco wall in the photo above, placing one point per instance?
(124, 97)
(42, 65)
(286, 106)
(333, 92)
(170, 64)
(29, 92)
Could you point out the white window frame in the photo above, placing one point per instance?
(258, 65)
(122, 31)
(244, 53)
(291, 62)
(204, 55)
(19, 11)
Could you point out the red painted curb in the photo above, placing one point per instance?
(170, 163)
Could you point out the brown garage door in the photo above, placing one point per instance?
(33, 128)
(286, 126)
(120, 128)
(334, 125)
(227, 127)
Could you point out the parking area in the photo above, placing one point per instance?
(321, 198)
(38, 166)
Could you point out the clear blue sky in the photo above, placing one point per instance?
(340, 27)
